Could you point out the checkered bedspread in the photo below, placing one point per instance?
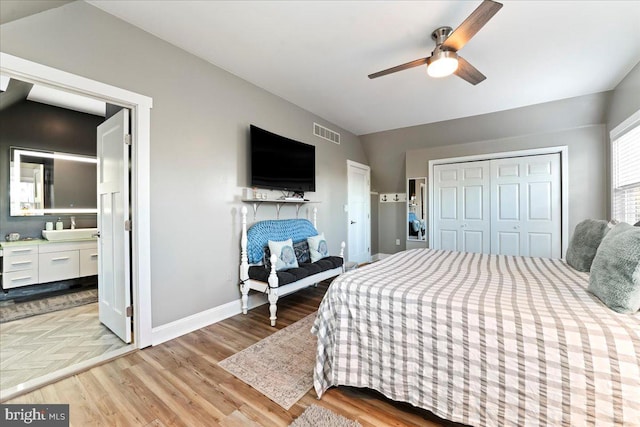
(482, 340)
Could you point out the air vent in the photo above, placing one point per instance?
(324, 133)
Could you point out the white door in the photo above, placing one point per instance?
(525, 206)
(461, 209)
(359, 212)
(114, 292)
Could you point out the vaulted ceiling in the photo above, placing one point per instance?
(317, 54)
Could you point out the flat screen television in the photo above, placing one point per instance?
(281, 163)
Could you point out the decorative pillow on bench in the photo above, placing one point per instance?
(285, 253)
(317, 247)
(301, 250)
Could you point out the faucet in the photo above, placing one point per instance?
(73, 222)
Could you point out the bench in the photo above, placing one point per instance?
(258, 267)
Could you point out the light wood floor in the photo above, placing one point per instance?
(179, 383)
(39, 345)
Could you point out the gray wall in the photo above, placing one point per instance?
(625, 101)
(199, 142)
(33, 125)
(577, 122)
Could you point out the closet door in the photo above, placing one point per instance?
(525, 206)
(461, 207)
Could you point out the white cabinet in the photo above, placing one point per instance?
(43, 262)
(20, 266)
(54, 266)
(88, 262)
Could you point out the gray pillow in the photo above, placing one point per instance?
(584, 243)
(615, 272)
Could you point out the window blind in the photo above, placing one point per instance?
(625, 176)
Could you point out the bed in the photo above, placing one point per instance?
(482, 340)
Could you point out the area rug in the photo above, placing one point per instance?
(21, 310)
(279, 366)
(317, 416)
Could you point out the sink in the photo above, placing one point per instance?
(77, 234)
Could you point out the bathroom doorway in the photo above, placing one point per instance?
(139, 273)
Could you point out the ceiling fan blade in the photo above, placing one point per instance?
(468, 72)
(397, 68)
(471, 25)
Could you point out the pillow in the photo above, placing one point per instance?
(584, 243)
(285, 253)
(300, 248)
(615, 272)
(318, 247)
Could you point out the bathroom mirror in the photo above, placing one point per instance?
(46, 182)
(416, 209)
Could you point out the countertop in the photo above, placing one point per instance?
(26, 242)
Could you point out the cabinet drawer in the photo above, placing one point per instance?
(15, 279)
(20, 250)
(58, 266)
(88, 262)
(20, 262)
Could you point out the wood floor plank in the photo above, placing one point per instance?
(190, 413)
(111, 405)
(238, 419)
(141, 396)
(84, 410)
(179, 383)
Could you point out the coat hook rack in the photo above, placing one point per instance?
(393, 197)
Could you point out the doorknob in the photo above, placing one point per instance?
(353, 222)
(97, 234)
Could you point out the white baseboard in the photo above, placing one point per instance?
(379, 256)
(205, 318)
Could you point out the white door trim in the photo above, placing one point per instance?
(367, 196)
(564, 185)
(140, 106)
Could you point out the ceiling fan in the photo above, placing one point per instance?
(444, 59)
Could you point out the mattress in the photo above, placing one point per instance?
(486, 340)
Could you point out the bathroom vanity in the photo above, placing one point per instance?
(42, 261)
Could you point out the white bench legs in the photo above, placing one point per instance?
(244, 289)
(273, 289)
(273, 299)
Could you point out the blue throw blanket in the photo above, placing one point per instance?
(261, 232)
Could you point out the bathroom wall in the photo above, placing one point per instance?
(34, 125)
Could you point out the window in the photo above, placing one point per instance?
(625, 170)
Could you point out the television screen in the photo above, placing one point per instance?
(281, 163)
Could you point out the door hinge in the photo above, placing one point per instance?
(127, 139)
(127, 225)
(129, 311)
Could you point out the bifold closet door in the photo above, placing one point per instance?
(462, 207)
(525, 206)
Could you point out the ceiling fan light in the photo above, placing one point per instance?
(442, 64)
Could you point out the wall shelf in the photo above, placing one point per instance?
(279, 203)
